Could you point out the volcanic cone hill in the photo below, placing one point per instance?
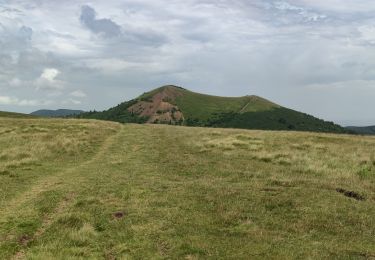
(178, 106)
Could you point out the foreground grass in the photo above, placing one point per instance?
(91, 189)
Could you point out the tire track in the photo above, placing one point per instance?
(47, 184)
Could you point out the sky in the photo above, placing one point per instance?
(315, 56)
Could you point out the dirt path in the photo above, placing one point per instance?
(245, 106)
(55, 180)
(51, 182)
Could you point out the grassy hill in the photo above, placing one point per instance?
(203, 107)
(178, 106)
(15, 115)
(56, 113)
(86, 189)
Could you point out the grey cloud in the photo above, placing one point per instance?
(145, 37)
(104, 27)
(109, 29)
(17, 38)
(286, 13)
(26, 32)
(298, 13)
(13, 41)
(10, 10)
(61, 35)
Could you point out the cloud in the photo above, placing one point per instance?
(6, 100)
(15, 82)
(71, 101)
(288, 7)
(359, 84)
(104, 27)
(118, 49)
(295, 13)
(47, 80)
(112, 65)
(367, 34)
(25, 32)
(78, 94)
(50, 74)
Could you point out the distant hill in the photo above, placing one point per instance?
(56, 113)
(178, 106)
(15, 115)
(365, 130)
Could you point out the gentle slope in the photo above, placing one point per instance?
(101, 190)
(14, 115)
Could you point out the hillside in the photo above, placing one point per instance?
(178, 106)
(365, 130)
(88, 189)
(15, 115)
(56, 113)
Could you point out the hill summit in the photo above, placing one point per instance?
(178, 106)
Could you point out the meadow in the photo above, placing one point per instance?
(78, 189)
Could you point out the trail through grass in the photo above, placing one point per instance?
(150, 191)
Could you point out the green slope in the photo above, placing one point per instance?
(274, 119)
(195, 105)
(363, 130)
(202, 106)
(56, 113)
(15, 115)
(248, 112)
(100, 190)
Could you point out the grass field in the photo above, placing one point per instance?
(73, 189)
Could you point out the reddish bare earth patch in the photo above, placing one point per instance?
(160, 107)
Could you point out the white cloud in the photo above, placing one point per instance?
(110, 65)
(6, 100)
(339, 6)
(49, 74)
(15, 82)
(78, 94)
(367, 33)
(286, 6)
(47, 80)
(72, 101)
(350, 84)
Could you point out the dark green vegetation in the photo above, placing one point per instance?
(175, 105)
(86, 189)
(56, 113)
(275, 119)
(365, 130)
(119, 113)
